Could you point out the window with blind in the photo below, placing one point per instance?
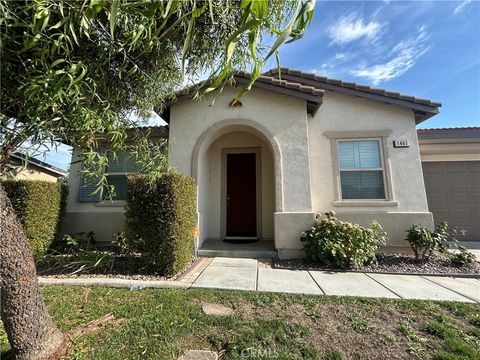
(117, 171)
(361, 169)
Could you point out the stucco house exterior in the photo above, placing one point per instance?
(296, 145)
(21, 167)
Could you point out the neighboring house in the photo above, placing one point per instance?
(87, 211)
(291, 149)
(451, 168)
(21, 167)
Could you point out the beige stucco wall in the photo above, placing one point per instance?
(30, 173)
(298, 165)
(281, 119)
(347, 113)
(280, 124)
(304, 163)
(366, 118)
(456, 149)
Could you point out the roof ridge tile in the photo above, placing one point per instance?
(353, 85)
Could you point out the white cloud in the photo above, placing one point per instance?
(461, 6)
(405, 55)
(353, 27)
(325, 69)
(339, 56)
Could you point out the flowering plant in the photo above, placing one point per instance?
(342, 244)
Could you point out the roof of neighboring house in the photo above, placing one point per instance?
(155, 130)
(449, 133)
(312, 94)
(52, 170)
(423, 108)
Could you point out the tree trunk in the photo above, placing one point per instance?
(30, 329)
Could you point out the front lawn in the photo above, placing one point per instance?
(162, 323)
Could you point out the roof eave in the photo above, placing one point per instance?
(422, 111)
(314, 100)
(421, 116)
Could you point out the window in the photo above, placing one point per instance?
(361, 169)
(117, 172)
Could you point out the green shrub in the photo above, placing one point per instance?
(40, 205)
(462, 257)
(342, 244)
(424, 242)
(73, 243)
(161, 217)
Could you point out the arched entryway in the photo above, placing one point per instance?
(238, 171)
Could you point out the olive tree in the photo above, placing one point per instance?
(73, 71)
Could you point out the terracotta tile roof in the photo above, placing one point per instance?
(351, 85)
(282, 83)
(311, 87)
(158, 129)
(312, 94)
(472, 132)
(466, 128)
(243, 77)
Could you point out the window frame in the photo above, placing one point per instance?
(114, 202)
(382, 168)
(384, 135)
(116, 174)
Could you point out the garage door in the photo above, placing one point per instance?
(453, 193)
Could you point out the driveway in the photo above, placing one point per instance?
(255, 275)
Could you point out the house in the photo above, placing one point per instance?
(87, 211)
(21, 167)
(295, 146)
(451, 168)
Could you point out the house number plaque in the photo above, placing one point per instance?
(401, 143)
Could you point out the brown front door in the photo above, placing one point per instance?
(241, 195)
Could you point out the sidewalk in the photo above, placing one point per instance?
(249, 274)
(257, 275)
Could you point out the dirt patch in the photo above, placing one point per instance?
(370, 331)
(96, 325)
(121, 269)
(395, 263)
(217, 310)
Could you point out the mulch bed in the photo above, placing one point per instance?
(122, 269)
(439, 264)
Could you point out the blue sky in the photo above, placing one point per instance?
(429, 49)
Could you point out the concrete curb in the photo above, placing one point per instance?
(117, 283)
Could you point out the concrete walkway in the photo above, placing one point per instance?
(257, 275)
(252, 275)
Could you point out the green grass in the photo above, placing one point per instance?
(163, 323)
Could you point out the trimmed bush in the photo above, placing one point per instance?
(342, 244)
(40, 206)
(425, 242)
(161, 216)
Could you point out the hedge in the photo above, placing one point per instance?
(161, 217)
(40, 206)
